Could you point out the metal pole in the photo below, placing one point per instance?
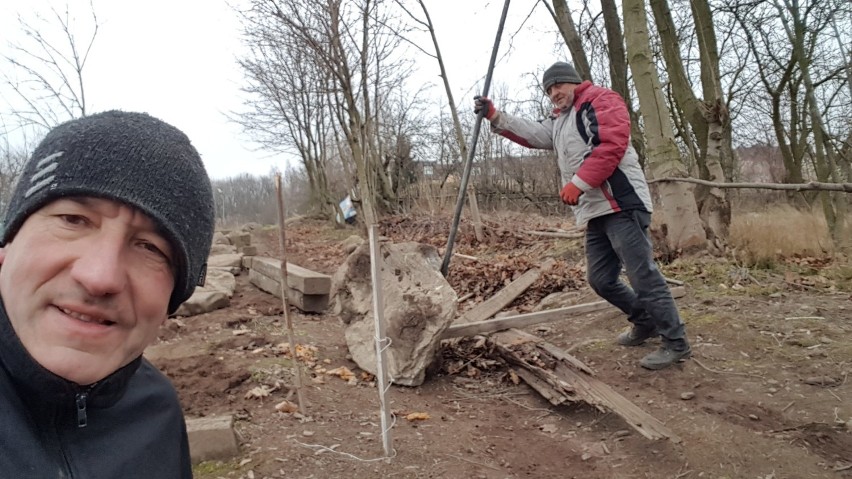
(472, 150)
(381, 340)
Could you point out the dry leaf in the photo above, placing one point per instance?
(513, 376)
(259, 392)
(286, 407)
(417, 416)
(342, 372)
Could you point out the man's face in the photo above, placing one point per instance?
(562, 94)
(86, 283)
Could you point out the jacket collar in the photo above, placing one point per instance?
(37, 383)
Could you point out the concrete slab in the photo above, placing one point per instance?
(298, 278)
(309, 303)
(212, 438)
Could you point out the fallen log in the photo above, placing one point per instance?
(461, 328)
(554, 374)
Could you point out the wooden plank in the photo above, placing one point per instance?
(552, 394)
(560, 381)
(494, 304)
(523, 320)
(309, 303)
(299, 278)
(554, 234)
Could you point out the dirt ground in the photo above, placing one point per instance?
(767, 394)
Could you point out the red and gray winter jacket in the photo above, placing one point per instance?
(592, 143)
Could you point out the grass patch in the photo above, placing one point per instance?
(841, 274)
(699, 320)
(568, 249)
(267, 370)
(760, 239)
(213, 469)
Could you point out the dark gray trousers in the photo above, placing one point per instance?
(621, 239)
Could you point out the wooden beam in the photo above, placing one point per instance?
(554, 234)
(556, 378)
(502, 298)
(523, 320)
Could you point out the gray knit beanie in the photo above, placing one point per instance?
(135, 159)
(560, 72)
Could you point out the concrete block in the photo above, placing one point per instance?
(239, 238)
(212, 438)
(250, 250)
(309, 303)
(298, 278)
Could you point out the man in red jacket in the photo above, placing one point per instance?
(603, 182)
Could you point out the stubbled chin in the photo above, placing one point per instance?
(78, 367)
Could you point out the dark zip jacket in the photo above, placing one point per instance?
(129, 425)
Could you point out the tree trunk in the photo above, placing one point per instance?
(825, 169)
(708, 120)
(568, 30)
(618, 72)
(677, 207)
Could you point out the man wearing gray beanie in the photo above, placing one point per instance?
(107, 233)
(589, 130)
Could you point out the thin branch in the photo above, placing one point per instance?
(811, 185)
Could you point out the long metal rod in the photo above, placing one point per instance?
(472, 150)
(380, 339)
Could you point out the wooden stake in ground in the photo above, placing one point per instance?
(382, 342)
(291, 338)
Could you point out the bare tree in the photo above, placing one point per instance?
(350, 43)
(562, 16)
(288, 102)
(12, 162)
(45, 71)
(708, 119)
(677, 205)
(618, 72)
(805, 78)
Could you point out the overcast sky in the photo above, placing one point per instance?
(176, 59)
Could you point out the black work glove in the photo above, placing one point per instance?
(482, 104)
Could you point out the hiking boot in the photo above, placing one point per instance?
(637, 335)
(665, 357)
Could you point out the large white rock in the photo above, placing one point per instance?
(419, 305)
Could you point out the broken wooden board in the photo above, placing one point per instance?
(522, 320)
(298, 278)
(502, 298)
(557, 379)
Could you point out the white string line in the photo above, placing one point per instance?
(387, 344)
(320, 447)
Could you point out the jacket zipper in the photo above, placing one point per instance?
(80, 401)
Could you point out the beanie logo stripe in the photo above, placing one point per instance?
(44, 167)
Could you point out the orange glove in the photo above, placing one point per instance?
(571, 194)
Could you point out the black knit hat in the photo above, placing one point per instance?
(560, 72)
(135, 159)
